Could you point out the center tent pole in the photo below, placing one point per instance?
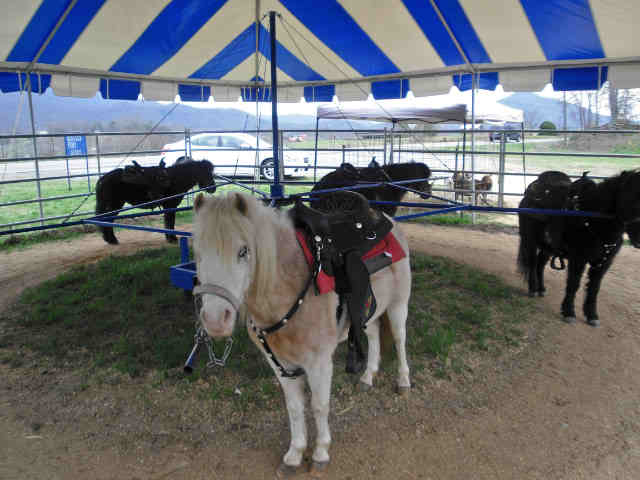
(277, 190)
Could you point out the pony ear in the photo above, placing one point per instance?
(241, 204)
(198, 201)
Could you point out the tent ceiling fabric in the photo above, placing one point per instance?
(322, 46)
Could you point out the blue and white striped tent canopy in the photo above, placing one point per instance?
(348, 48)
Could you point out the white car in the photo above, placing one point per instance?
(236, 155)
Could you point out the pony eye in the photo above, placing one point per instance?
(244, 252)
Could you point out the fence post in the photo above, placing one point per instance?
(343, 152)
(68, 174)
(98, 154)
(501, 170)
(35, 148)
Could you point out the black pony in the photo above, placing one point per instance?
(347, 175)
(580, 239)
(136, 185)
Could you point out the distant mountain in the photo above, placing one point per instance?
(538, 109)
(66, 114)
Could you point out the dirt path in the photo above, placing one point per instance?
(570, 412)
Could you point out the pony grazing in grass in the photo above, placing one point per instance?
(136, 185)
(248, 255)
(582, 240)
(347, 176)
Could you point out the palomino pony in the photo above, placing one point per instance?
(146, 184)
(247, 254)
(582, 240)
(347, 175)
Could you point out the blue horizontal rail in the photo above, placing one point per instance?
(139, 227)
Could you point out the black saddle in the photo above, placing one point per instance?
(340, 234)
(146, 176)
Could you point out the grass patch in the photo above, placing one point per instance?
(122, 313)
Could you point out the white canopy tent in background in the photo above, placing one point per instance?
(436, 109)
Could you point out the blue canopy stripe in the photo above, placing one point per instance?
(213, 42)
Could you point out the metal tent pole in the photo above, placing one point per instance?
(315, 155)
(474, 80)
(35, 148)
(277, 189)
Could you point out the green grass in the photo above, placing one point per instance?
(122, 313)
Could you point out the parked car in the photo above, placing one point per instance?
(234, 154)
(511, 131)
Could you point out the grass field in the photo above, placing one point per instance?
(121, 313)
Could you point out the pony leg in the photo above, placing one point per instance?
(398, 319)
(107, 232)
(575, 271)
(373, 356)
(590, 307)
(541, 262)
(169, 224)
(293, 389)
(319, 379)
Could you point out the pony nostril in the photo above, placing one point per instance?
(227, 316)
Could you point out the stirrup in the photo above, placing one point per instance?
(555, 266)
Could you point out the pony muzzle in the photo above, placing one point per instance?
(218, 310)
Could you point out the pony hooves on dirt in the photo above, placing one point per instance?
(318, 469)
(287, 471)
(403, 391)
(364, 387)
(594, 322)
(569, 320)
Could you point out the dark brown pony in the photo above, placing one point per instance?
(145, 184)
(347, 176)
(582, 240)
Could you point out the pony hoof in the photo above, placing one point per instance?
(569, 320)
(594, 322)
(532, 294)
(364, 387)
(287, 471)
(403, 391)
(318, 469)
(541, 293)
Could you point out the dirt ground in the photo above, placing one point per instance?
(568, 410)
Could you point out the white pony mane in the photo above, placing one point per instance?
(219, 219)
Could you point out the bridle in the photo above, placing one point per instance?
(261, 334)
(201, 336)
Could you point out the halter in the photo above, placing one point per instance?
(261, 333)
(201, 336)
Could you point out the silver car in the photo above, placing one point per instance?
(236, 155)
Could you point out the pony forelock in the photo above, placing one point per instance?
(219, 221)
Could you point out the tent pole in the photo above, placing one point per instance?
(473, 144)
(315, 154)
(277, 190)
(35, 148)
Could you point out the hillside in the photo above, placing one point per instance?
(538, 109)
(62, 114)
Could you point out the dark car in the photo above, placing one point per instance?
(511, 131)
